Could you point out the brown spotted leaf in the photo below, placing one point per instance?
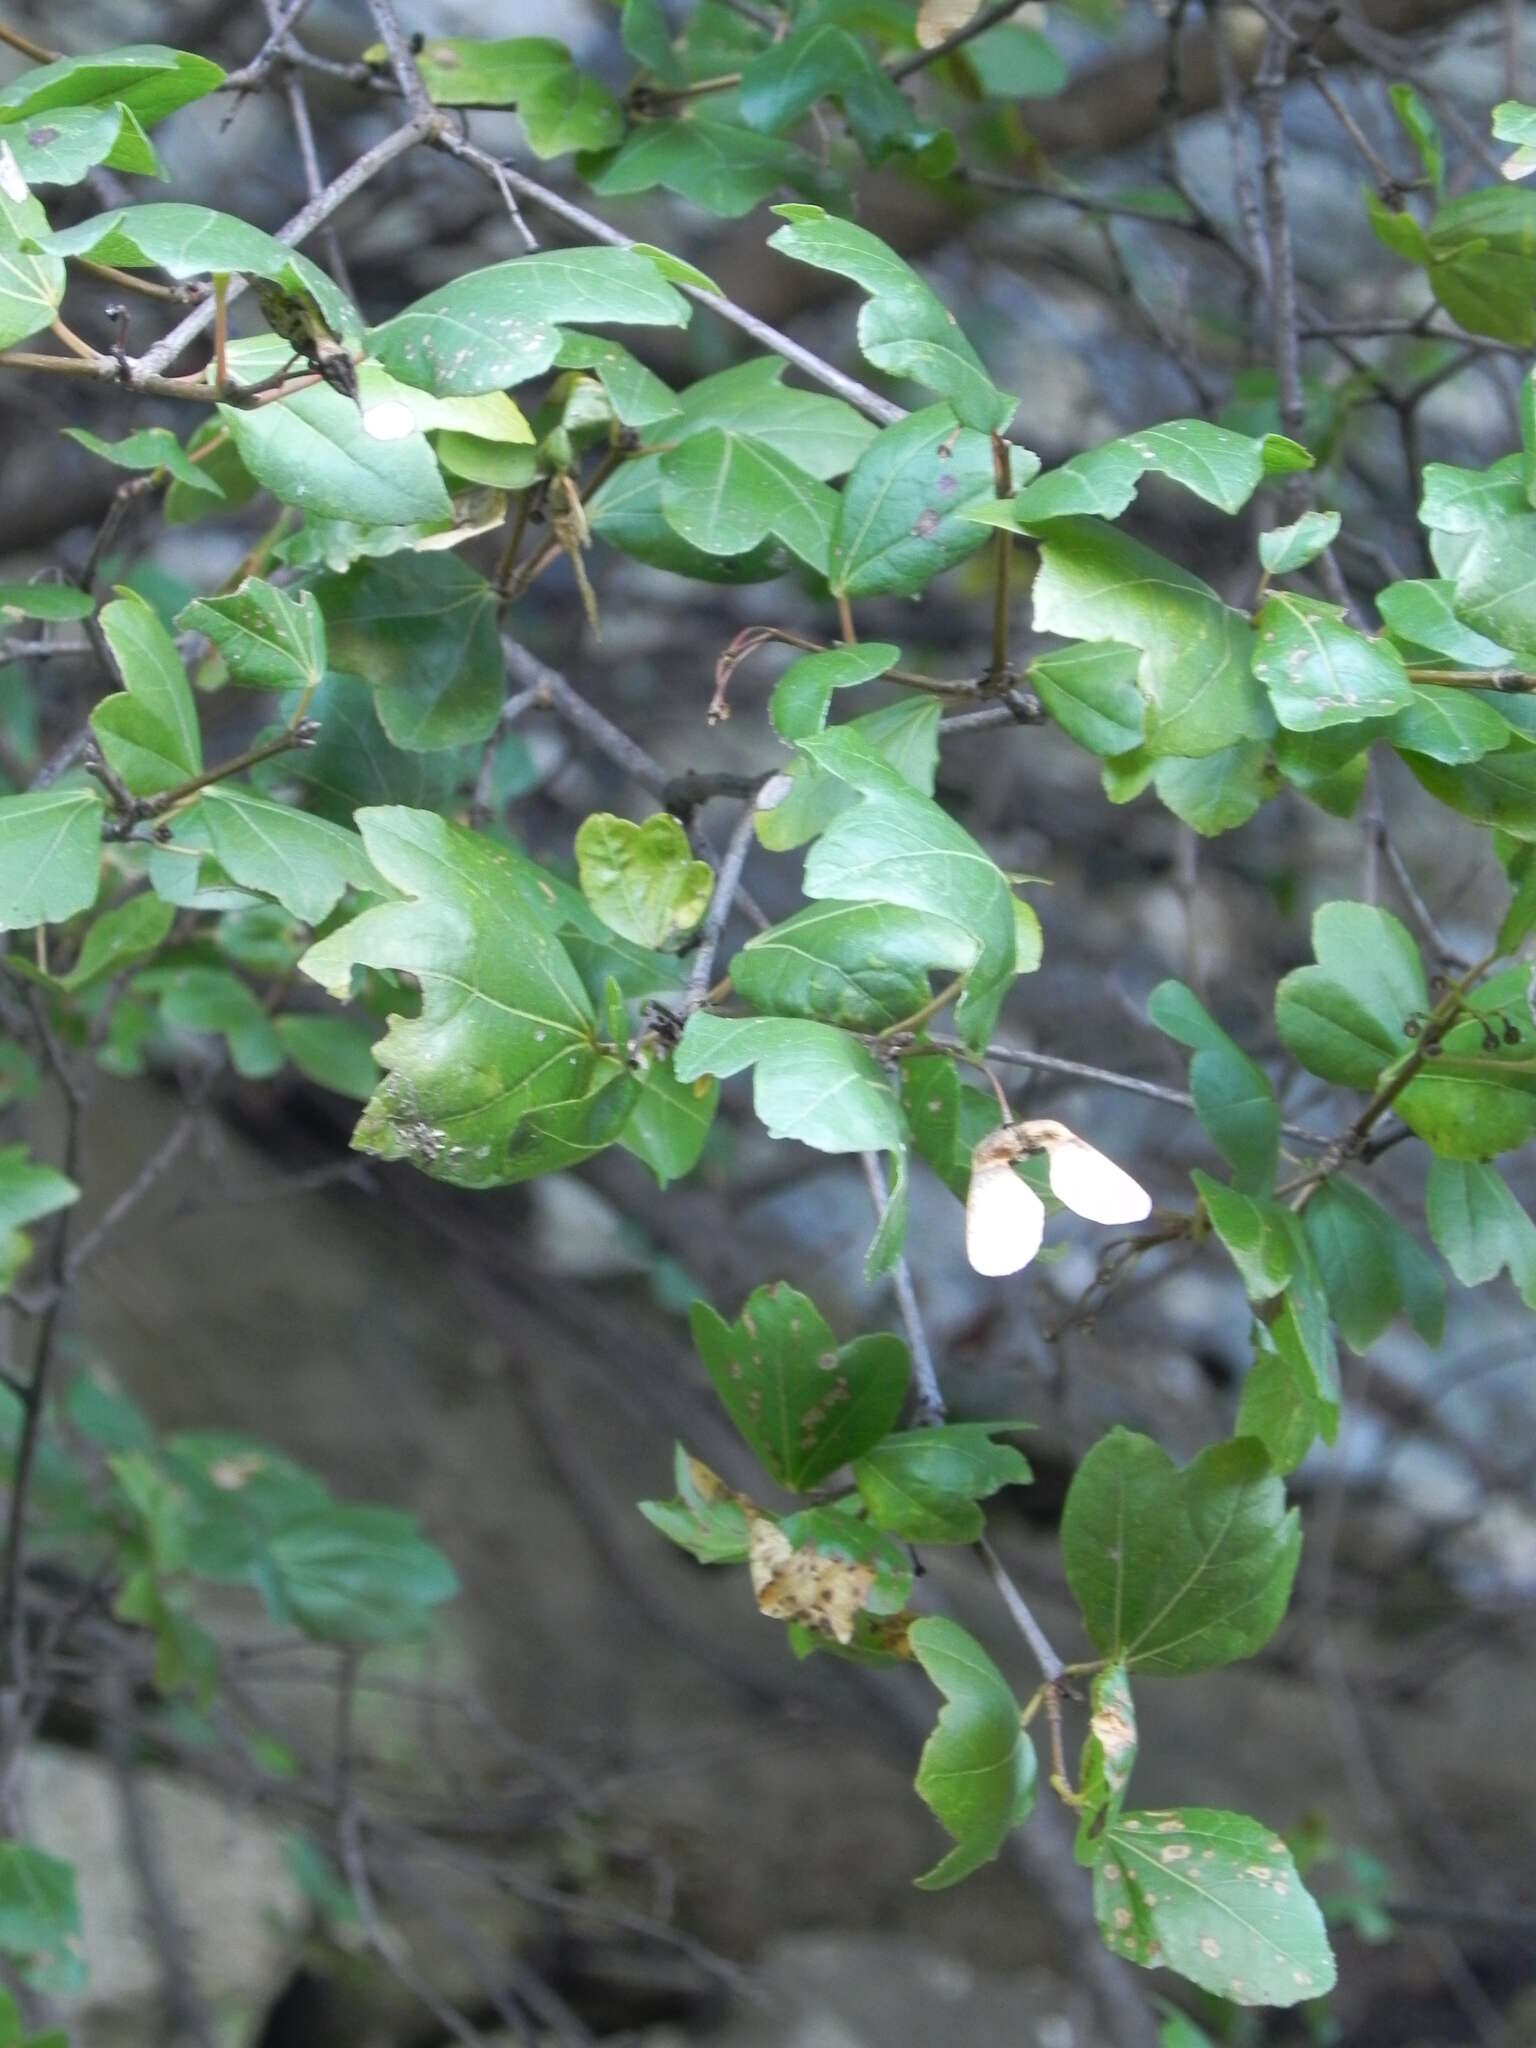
(805, 1404)
(1214, 1896)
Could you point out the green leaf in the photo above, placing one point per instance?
(39, 1910)
(561, 107)
(194, 241)
(1015, 63)
(642, 880)
(147, 78)
(359, 1575)
(802, 696)
(506, 1031)
(306, 863)
(1344, 1018)
(626, 512)
(1095, 583)
(1498, 789)
(722, 166)
(1259, 1234)
(637, 395)
(1372, 1269)
(421, 628)
(1422, 618)
(148, 731)
(670, 1122)
(119, 938)
(904, 329)
(977, 1771)
(812, 1082)
(1319, 671)
(818, 434)
(217, 1004)
(66, 145)
(52, 601)
(1233, 1097)
(703, 1519)
(647, 35)
(1280, 1407)
(149, 448)
(495, 327)
(352, 761)
(1179, 1571)
(1091, 692)
(818, 60)
(1216, 1897)
(1216, 792)
(31, 285)
(861, 966)
(923, 1485)
(1481, 260)
(330, 1051)
(1285, 549)
(1480, 1227)
(947, 1117)
(314, 451)
(28, 1191)
(804, 1404)
(904, 736)
(899, 519)
(726, 494)
(269, 639)
(1216, 464)
(899, 847)
(1420, 123)
(1450, 726)
(50, 855)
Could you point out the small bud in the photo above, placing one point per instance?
(1511, 1032)
(1412, 1026)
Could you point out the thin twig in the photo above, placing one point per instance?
(727, 882)
(928, 1408)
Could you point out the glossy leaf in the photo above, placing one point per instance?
(148, 732)
(148, 78)
(899, 847)
(1234, 1099)
(1096, 583)
(65, 145)
(31, 285)
(306, 863)
(269, 639)
(898, 523)
(727, 494)
(1285, 549)
(924, 1484)
(1344, 1018)
(722, 166)
(314, 451)
(977, 1770)
(495, 327)
(904, 328)
(560, 106)
(862, 966)
(50, 855)
(150, 448)
(804, 1404)
(812, 1082)
(506, 1031)
(1179, 1570)
(1321, 672)
(1216, 464)
(802, 696)
(1216, 1897)
(1091, 692)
